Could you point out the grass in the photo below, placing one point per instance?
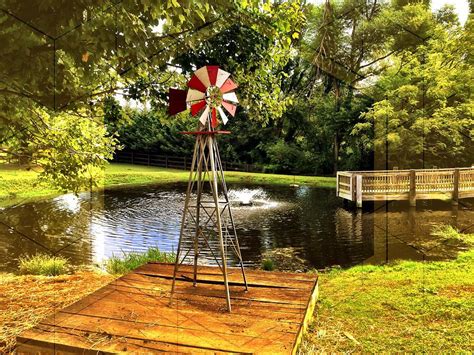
(42, 264)
(26, 300)
(20, 184)
(130, 261)
(407, 306)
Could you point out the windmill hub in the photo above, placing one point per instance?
(213, 96)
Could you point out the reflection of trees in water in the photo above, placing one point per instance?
(354, 235)
(401, 232)
(48, 227)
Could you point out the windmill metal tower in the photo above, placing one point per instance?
(207, 222)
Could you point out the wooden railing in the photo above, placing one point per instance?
(408, 185)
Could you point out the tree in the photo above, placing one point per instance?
(423, 109)
(59, 59)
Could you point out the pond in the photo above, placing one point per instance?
(311, 221)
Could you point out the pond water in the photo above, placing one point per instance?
(311, 221)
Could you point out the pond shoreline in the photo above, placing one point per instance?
(19, 185)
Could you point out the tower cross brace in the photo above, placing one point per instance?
(207, 221)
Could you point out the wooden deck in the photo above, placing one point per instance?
(133, 314)
(410, 185)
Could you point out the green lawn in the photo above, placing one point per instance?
(409, 307)
(17, 185)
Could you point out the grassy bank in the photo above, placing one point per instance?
(17, 184)
(406, 307)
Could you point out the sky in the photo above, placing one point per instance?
(461, 6)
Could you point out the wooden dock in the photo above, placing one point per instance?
(133, 314)
(410, 185)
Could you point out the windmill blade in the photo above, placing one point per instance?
(231, 108)
(230, 96)
(177, 101)
(229, 85)
(204, 116)
(197, 107)
(203, 76)
(194, 95)
(196, 84)
(222, 114)
(212, 73)
(221, 77)
(214, 121)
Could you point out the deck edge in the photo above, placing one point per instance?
(307, 317)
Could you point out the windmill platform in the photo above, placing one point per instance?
(134, 314)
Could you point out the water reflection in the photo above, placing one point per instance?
(91, 228)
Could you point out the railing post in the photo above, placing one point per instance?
(166, 161)
(353, 187)
(412, 193)
(185, 163)
(148, 156)
(359, 191)
(133, 158)
(455, 197)
(337, 184)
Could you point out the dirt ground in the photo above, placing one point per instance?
(25, 300)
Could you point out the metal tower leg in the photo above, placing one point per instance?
(215, 195)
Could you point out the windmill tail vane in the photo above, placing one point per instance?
(210, 92)
(207, 224)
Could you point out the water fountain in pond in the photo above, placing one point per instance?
(250, 198)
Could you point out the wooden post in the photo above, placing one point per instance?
(185, 163)
(148, 160)
(133, 158)
(337, 184)
(455, 198)
(166, 161)
(359, 190)
(412, 192)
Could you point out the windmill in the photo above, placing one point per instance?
(207, 222)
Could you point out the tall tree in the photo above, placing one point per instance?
(423, 109)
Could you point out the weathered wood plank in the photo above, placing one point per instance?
(133, 313)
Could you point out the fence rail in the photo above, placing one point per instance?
(175, 162)
(421, 184)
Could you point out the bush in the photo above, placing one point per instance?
(42, 264)
(268, 265)
(132, 260)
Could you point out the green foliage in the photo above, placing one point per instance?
(42, 264)
(153, 130)
(132, 260)
(423, 108)
(62, 64)
(268, 265)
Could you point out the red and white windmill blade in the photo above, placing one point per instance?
(210, 88)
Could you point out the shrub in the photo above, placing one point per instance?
(42, 264)
(130, 261)
(268, 265)
(449, 233)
